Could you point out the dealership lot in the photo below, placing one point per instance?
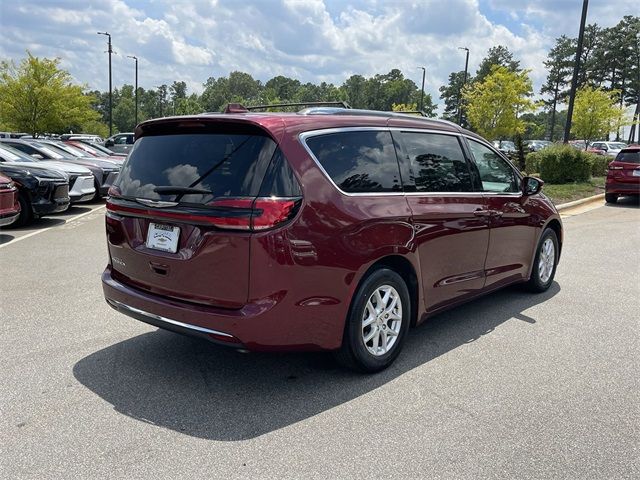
(512, 385)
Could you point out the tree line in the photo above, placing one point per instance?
(496, 101)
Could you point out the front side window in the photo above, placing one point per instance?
(496, 174)
(437, 162)
(358, 161)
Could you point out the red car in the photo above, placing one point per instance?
(9, 205)
(329, 229)
(623, 176)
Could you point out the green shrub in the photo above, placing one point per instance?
(599, 164)
(532, 163)
(563, 164)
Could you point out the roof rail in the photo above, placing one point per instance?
(375, 113)
(339, 105)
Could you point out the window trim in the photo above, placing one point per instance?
(463, 146)
(304, 136)
(515, 170)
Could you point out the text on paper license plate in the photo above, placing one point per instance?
(163, 237)
(636, 173)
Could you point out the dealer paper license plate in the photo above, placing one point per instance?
(163, 237)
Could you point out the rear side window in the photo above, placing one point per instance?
(358, 161)
(437, 162)
(220, 164)
(629, 156)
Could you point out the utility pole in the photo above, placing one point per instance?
(136, 59)
(110, 50)
(576, 69)
(464, 82)
(424, 72)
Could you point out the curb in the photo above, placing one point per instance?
(582, 201)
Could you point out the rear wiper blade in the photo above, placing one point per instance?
(172, 190)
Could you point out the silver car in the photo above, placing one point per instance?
(120, 142)
(611, 149)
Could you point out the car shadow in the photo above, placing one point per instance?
(199, 389)
(626, 202)
(4, 238)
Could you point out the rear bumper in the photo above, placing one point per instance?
(626, 188)
(267, 324)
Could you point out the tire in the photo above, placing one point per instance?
(26, 213)
(542, 273)
(611, 197)
(387, 329)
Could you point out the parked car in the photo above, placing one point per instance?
(73, 151)
(88, 149)
(578, 144)
(82, 136)
(81, 180)
(505, 146)
(536, 145)
(41, 190)
(9, 205)
(100, 148)
(120, 143)
(332, 229)
(609, 148)
(104, 171)
(623, 175)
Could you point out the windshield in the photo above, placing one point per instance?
(50, 151)
(617, 146)
(76, 152)
(10, 154)
(219, 165)
(629, 156)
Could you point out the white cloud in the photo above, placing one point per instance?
(312, 40)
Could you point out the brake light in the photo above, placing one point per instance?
(269, 212)
(235, 213)
(615, 167)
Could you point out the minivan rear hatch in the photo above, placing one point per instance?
(182, 212)
(626, 167)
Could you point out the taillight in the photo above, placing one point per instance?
(615, 167)
(226, 213)
(114, 191)
(269, 212)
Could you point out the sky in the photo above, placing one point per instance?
(311, 40)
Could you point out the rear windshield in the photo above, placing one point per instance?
(629, 156)
(221, 165)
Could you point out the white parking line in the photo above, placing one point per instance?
(37, 232)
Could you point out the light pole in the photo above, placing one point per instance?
(424, 71)
(576, 69)
(136, 59)
(110, 50)
(464, 82)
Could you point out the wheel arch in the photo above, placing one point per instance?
(406, 270)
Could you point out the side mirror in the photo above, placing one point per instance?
(531, 185)
(108, 143)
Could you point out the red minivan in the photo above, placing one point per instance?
(623, 176)
(9, 205)
(327, 229)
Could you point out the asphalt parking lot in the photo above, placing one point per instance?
(511, 386)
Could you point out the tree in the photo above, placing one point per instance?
(595, 114)
(353, 89)
(451, 94)
(494, 105)
(559, 66)
(498, 55)
(37, 97)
